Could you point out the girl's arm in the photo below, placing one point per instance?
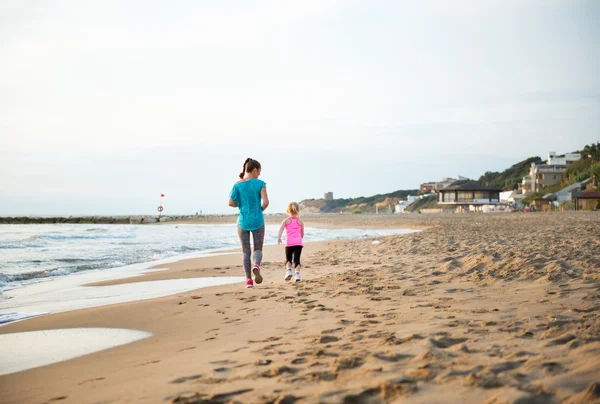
(301, 227)
(281, 231)
(265, 198)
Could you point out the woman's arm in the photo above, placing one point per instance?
(232, 203)
(264, 197)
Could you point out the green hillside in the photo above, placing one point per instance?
(510, 178)
(428, 202)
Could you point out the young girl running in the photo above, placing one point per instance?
(249, 194)
(294, 229)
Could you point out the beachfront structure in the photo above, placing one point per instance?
(445, 183)
(412, 198)
(511, 196)
(545, 175)
(564, 194)
(328, 196)
(426, 187)
(553, 160)
(401, 206)
(586, 200)
(468, 195)
(544, 204)
(525, 185)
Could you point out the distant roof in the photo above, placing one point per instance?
(470, 187)
(585, 195)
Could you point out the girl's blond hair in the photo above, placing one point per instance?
(293, 208)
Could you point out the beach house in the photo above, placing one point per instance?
(546, 175)
(469, 196)
(426, 187)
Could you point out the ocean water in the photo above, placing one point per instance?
(43, 267)
(27, 350)
(37, 252)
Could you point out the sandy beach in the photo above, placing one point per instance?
(475, 308)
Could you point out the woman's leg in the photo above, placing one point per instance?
(245, 241)
(258, 236)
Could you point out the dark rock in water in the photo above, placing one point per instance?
(137, 219)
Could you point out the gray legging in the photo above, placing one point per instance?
(258, 237)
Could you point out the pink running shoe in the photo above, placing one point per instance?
(249, 283)
(257, 276)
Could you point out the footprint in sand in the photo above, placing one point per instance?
(222, 362)
(446, 342)
(326, 339)
(92, 380)
(349, 363)
(331, 331)
(60, 398)
(201, 398)
(392, 358)
(506, 366)
(184, 379)
(148, 363)
(278, 371)
(553, 368)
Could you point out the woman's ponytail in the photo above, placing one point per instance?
(244, 167)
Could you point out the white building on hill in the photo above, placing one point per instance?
(553, 160)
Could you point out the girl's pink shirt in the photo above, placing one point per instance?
(293, 231)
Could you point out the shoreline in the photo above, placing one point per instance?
(480, 308)
(158, 277)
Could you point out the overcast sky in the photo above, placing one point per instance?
(106, 104)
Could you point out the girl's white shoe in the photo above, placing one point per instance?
(288, 275)
(298, 276)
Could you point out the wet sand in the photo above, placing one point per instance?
(492, 308)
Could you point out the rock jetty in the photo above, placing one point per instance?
(135, 219)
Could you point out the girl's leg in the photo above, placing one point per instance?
(258, 237)
(297, 254)
(245, 241)
(288, 257)
(288, 262)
